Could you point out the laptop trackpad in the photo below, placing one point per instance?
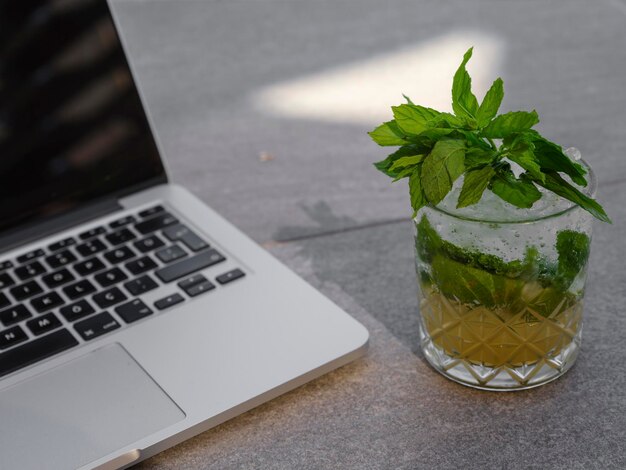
(81, 411)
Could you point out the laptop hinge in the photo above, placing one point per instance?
(43, 228)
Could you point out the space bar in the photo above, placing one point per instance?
(34, 351)
(189, 265)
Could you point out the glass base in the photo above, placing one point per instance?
(504, 377)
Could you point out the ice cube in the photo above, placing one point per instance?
(573, 153)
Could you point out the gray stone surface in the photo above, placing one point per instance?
(390, 410)
(200, 61)
(321, 209)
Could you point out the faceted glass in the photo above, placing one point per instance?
(501, 298)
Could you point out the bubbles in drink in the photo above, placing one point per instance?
(492, 207)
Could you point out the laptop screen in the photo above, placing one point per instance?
(72, 126)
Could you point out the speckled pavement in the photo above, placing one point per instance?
(305, 189)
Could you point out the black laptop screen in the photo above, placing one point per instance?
(72, 126)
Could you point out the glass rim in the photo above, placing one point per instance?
(589, 190)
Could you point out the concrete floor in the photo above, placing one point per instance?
(299, 180)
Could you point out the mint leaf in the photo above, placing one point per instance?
(408, 150)
(435, 134)
(558, 185)
(403, 173)
(450, 120)
(411, 149)
(469, 285)
(520, 193)
(475, 157)
(474, 184)
(522, 153)
(418, 199)
(550, 156)
(464, 103)
(573, 250)
(427, 240)
(388, 134)
(550, 299)
(474, 140)
(463, 283)
(413, 119)
(442, 166)
(509, 123)
(385, 165)
(491, 103)
(403, 162)
(471, 276)
(468, 142)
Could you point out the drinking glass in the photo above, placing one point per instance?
(501, 289)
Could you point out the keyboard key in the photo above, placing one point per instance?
(91, 247)
(151, 211)
(141, 265)
(35, 351)
(190, 265)
(180, 232)
(4, 300)
(48, 301)
(194, 242)
(192, 281)
(171, 253)
(26, 290)
(140, 285)
(43, 324)
(92, 233)
(15, 314)
(30, 270)
(89, 266)
(58, 278)
(169, 301)
(121, 236)
(96, 326)
(109, 297)
(30, 256)
(110, 277)
(11, 337)
(200, 288)
(6, 280)
(119, 254)
(149, 243)
(5, 265)
(76, 311)
(121, 222)
(79, 289)
(155, 223)
(133, 311)
(60, 259)
(175, 232)
(62, 244)
(230, 276)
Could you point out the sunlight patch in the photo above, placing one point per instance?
(362, 92)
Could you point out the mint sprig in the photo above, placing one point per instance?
(436, 148)
(467, 275)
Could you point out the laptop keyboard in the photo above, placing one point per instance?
(74, 290)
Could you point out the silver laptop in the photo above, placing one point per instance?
(132, 316)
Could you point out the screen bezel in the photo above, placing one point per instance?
(11, 233)
(164, 176)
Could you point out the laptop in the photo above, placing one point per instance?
(132, 316)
